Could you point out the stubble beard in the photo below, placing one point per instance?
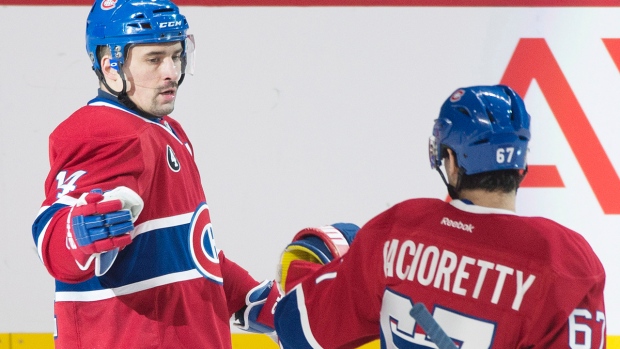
(163, 109)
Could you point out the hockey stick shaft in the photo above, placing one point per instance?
(431, 327)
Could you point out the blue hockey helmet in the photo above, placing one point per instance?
(487, 127)
(121, 23)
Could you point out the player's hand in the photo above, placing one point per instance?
(317, 245)
(102, 222)
(257, 315)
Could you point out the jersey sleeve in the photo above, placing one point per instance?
(50, 232)
(583, 326)
(568, 311)
(78, 165)
(337, 305)
(237, 283)
(572, 314)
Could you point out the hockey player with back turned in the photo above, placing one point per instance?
(125, 228)
(490, 278)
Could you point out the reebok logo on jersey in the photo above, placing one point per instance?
(173, 163)
(458, 225)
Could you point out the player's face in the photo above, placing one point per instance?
(152, 72)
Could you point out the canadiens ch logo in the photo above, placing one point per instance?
(173, 163)
(108, 4)
(456, 96)
(202, 245)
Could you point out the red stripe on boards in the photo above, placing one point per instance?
(464, 3)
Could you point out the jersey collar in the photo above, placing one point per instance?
(479, 209)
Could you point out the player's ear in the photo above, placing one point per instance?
(109, 72)
(452, 169)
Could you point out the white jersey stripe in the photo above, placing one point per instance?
(91, 296)
(303, 318)
(161, 223)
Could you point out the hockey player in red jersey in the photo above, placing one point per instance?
(124, 227)
(489, 277)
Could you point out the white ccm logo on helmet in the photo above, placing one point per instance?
(170, 24)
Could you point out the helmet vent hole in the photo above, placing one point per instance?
(140, 25)
(162, 10)
(463, 110)
(490, 115)
(482, 141)
(138, 15)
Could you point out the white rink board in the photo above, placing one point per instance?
(307, 116)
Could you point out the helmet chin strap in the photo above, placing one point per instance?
(523, 173)
(452, 190)
(110, 89)
(122, 95)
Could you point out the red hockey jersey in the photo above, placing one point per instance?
(490, 278)
(152, 296)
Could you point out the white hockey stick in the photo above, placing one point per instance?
(431, 327)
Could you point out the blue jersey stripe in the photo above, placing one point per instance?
(150, 255)
(288, 323)
(42, 219)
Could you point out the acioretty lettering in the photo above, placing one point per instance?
(444, 269)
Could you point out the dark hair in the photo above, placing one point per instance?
(102, 50)
(505, 181)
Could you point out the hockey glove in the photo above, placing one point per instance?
(257, 315)
(316, 245)
(98, 226)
